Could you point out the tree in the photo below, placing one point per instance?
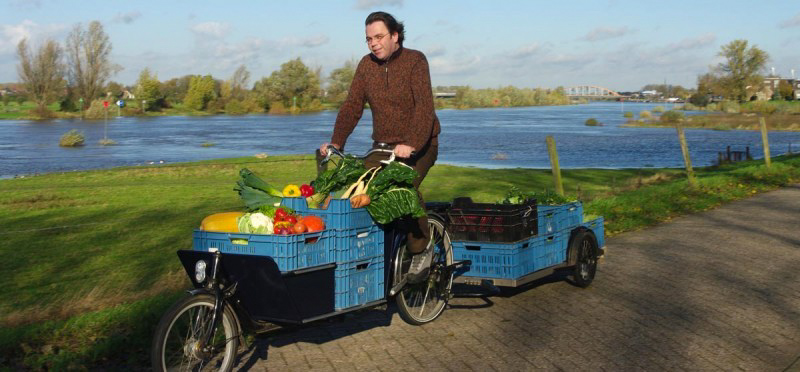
(42, 73)
(201, 91)
(785, 90)
(148, 88)
(175, 89)
(293, 81)
(239, 82)
(339, 83)
(741, 68)
(88, 53)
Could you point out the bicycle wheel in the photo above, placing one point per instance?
(586, 266)
(421, 303)
(178, 343)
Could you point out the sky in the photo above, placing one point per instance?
(619, 45)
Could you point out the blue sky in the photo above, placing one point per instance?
(621, 45)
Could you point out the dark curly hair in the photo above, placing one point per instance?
(391, 24)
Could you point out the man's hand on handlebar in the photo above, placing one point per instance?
(323, 149)
(403, 151)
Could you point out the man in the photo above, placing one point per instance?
(396, 83)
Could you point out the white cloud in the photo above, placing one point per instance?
(126, 18)
(10, 35)
(211, 29)
(455, 66)
(314, 41)
(791, 22)
(694, 43)
(605, 33)
(369, 4)
(526, 51)
(435, 51)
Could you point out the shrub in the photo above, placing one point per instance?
(592, 122)
(96, 110)
(731, 107)
(658, 109)
(672, 116)
(689, 107)
(699, 99)
(628, 114)
(235, 107)
(645, 114)
(761, 107)
(72, 138)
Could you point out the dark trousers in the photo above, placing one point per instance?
(418, 232)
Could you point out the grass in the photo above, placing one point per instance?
(93, 252)
(73, 138)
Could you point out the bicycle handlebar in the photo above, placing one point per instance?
(335, 151)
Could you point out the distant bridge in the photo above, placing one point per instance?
(590, 91)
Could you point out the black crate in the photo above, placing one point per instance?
(487, 222)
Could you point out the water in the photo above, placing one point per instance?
(490, 138)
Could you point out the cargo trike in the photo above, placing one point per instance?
(252, 282)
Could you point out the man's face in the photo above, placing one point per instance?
(380, 42)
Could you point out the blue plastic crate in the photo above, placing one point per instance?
(550, 250)
(596, 225)
(338, 215)
(359, 282)
(554, 218)
(290, 252)
(359, 244)
(511, 260)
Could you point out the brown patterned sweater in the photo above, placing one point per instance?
(399, 94)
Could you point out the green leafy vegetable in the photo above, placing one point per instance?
(343, 174)
(393, 195)
(255, 192)
(395, 203)
(517, 196)
(249, 178)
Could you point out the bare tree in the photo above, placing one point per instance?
(239, 81)
(88, 52)
(42, 73)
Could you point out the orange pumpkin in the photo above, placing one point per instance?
(221, 222)
(313, 223)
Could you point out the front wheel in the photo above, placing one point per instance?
(585, 245)
(423, 302)
(179, 342)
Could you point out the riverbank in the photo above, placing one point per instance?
(724, 121)
(93, 251)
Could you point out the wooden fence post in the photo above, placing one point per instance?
(686, 159)
(551, 149)
(765, 141)
(320, 167)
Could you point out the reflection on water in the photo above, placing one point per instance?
(492, 138)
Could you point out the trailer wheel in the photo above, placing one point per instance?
(585, 245)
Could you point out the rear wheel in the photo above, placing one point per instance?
(179, 344)
(423, 302)
(585, 246)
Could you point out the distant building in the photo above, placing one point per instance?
(770, 86)
(650, 93)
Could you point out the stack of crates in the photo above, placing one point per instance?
(357, 249)
(514, 255)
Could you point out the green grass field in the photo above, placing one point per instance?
(89, 257)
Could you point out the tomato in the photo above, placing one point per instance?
(280, 214)
(291, 219)
(313, 223)
(299, 228)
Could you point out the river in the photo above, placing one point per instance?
(489, 138)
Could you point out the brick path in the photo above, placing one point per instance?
(719, 290)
